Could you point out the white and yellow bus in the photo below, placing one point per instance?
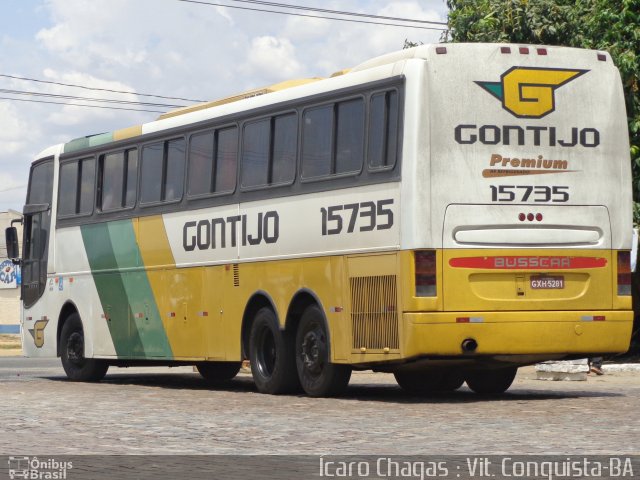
(446, 213)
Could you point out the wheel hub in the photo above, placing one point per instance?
(267, 357)
(75, 348)
(312, 348)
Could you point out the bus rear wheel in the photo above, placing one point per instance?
(425, 382)
(218, 371)
(77, 367)
(272, 355)
(491, 382)
(318, 376)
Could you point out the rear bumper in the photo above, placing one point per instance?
(556, 334)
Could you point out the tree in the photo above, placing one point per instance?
(611, 25)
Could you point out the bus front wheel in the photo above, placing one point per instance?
(318, 376)
(77, 367)
(272, 355)
(491, 382)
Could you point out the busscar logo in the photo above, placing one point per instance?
(37, 332)
(529, 92)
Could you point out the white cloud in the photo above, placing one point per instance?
(344, 44)
(13, 129)
(175, 49)
(75, 115)
(273, 58)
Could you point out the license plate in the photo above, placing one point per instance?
(547, 283)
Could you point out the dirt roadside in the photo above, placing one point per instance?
(10, 345)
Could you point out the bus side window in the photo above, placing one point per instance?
(162, 173)
(174, 178)
(383, 130)
(269, 151)
(87, 186)
(349, 137)
(226, 160)
(151, 174)
(333, 139)
(255, 153)
(316, 141)
(213, 162)
(111, 178)
(68, 186)
(117, 179)
(77, 185)
(131, 177)
(201, 163)
(285, 144)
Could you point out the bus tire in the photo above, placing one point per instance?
(491, 382)
(76, 366)
(318, 376)
(451, 381)
(423, 382)
(272, 355)
(214, 372)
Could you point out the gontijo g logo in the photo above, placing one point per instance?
(528, 92)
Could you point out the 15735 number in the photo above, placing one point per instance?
(524, 193)
(368, 216)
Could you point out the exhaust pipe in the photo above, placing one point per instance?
(469, 345)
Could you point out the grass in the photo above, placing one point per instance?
(10, 342)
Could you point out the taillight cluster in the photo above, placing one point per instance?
(624, 273)
(425, 267)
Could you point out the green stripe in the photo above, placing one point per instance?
(87, 142)
(125, 290)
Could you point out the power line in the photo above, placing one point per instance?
(15, 77)
(91, 99)
(80, 105)
(338, 12)
(13, 188)
(311, 16)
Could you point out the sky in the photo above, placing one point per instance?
(165, 47)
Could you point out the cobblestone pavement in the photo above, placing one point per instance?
(172, 411)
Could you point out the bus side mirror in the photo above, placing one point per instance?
(11, 238)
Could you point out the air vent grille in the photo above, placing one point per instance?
(374, 312)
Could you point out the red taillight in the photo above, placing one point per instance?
(624, 273)
(425, 266)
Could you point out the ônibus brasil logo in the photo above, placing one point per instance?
(529, 92)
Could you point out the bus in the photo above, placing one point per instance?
(446, 213)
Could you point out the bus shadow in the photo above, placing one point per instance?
(386, 393)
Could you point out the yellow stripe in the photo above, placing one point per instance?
(127, 133)
(154, 243)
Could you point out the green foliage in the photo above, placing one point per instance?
(410, 44)
(611, 25)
